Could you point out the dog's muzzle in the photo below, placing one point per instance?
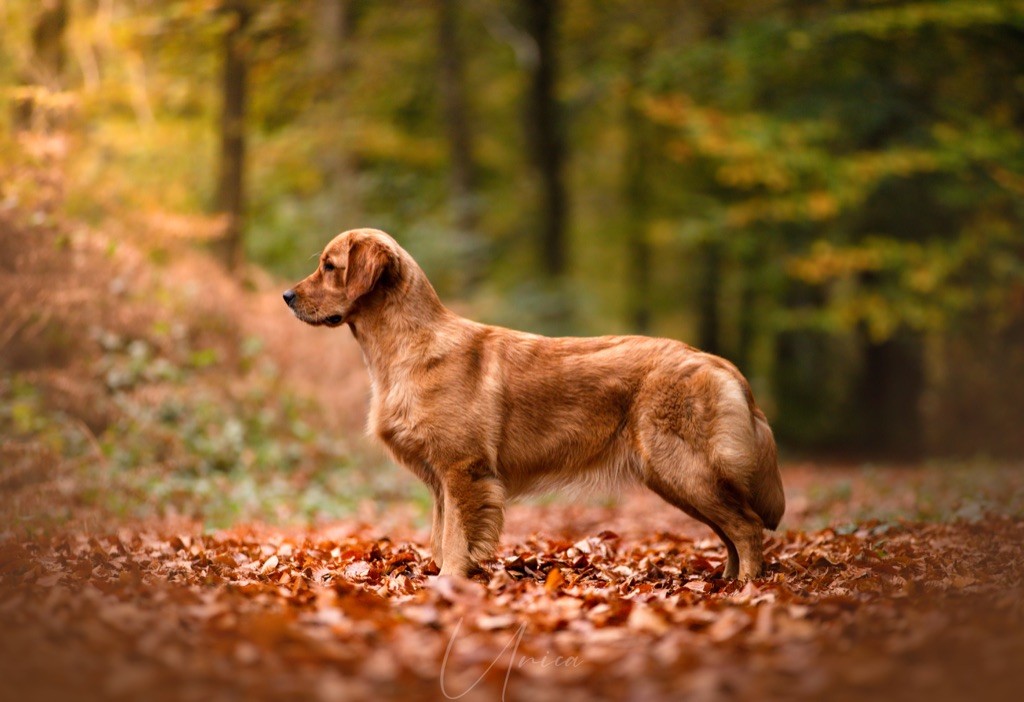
(289, 298)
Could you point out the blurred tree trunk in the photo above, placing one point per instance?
(807, 380)
(231, 181)
(544, 136)
(890, 397)
(464, 206)
(333, 31)
(46, 66)
(708, 332)
(803, 388)
(635, 193)
(743, 356)
(333, 62)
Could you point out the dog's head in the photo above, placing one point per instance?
(353, 268)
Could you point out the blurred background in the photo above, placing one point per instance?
(830, 194)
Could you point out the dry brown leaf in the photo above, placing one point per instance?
(554, 580)
(643, 618)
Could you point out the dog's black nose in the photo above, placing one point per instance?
(289, 297)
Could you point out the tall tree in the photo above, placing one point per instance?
(234, 88)
(335, 20)
(333, 62)
(48, 57)
(708, 292)
(890, 400)
(464, 205)
(544, 136)
(635, 190)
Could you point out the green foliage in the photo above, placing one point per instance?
(891, 214)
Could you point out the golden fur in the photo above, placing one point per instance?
(482, 414)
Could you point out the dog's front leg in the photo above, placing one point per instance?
(437, 528)
(473, 514)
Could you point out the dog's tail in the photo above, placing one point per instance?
(766, 494)
(743, 446)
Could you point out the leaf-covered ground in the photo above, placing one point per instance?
(583, 602)
(180, 391)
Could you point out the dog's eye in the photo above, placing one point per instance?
(328, 266)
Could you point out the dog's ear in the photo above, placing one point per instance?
(368, 261)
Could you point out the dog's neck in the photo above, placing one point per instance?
(400, 326)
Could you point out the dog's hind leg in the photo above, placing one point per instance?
(732, 564)
(731, 511)
(675, 498)
(685, 478)
(473, 513)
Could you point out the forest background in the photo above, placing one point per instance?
(828, 194)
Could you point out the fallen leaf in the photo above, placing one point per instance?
(554, 580)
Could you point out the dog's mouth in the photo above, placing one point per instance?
(334, 320)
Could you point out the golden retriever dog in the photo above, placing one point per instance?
(483, 414)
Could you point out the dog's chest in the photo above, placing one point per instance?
(398, 417)
(421, 421)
